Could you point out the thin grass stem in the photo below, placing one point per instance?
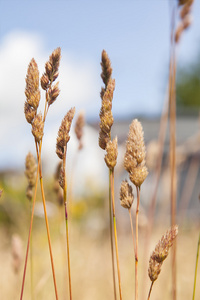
(45, 214)
(132, 232)
(150, 290)
(30, 231)
(31, 258)
(196, 266)
(136, 247)
(115, 231)
(66, 221)
(111, 236)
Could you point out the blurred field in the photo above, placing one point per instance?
(91, 259)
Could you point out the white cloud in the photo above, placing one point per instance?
(78, 84)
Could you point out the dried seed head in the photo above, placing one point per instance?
(62, 179)
(161, 252)
(51, 66)
(154, 269)
(104, 138)
(30, 170)
(126, 194)
(111, 155)
(63, 133)
(106, 116)
(44, 82)
(53, 93)
(162, 248)
(134, 159)
(185, 2)
(29, 112)
(32, 79)
(38, 127)
(32, 91)
(138, 175)
(57, 188)
(106, 67)
(80, 122)
(16, 246)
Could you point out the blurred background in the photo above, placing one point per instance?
(136, 36)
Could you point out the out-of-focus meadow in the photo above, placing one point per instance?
(88, 204)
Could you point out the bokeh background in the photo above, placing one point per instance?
(136, 36)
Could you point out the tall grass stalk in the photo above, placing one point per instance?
(136, 242)
(46, 221)
(196, 266)
(111, 236)
(115, 231)
(66, 223)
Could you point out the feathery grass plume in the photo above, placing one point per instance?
(106, 116)
(134, 159)
(63, 133)
(80, 122)
(111, 155)
(160, 254)
(32, 91)
(126, 195)
(50, 75)
(17, 253)
(30, 173)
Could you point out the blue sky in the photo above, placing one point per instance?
(134, 33)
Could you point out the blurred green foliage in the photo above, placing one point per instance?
(188, 87)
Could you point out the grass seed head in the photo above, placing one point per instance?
(32, 91)
(111, 155)
(38, 127)
(30, 172)
(53, 93)
(63, 133)
(106, 67)
(161, 252)
(134, 159)
(80, 122)
(126, 195)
